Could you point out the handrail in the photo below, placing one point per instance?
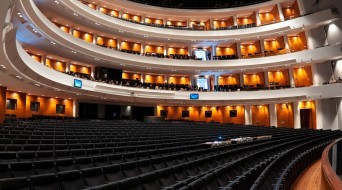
(329, 176)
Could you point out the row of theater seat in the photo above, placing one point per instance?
(181, 162)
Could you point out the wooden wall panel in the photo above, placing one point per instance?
(77, 33)
(108, 42)
(20, 111)
(154, 21)
(131, 76)
(254, 79)
(302, 76)
(135, 18)
(38, 58)
(176, 23)
(231, 50)
(109, 12)
(310, 105)
(246, 20)
(250, 49)
(131, 46)
(298, 42)
(154, 49)
(48, 106)
(154, 79)
(285, 117)
(223, 23)
(292, 11)
(179, 51)
(80, 69)
(260, 115)
(2, 103)
(56, 65)
(269, 17)
(179, 80)
(275, 45)
(229, 80)
(219, 114)
(281, 77)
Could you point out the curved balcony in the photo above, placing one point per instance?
(48, 78)
(308, 22)
(117, 59)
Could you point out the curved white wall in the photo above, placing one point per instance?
(310, 21)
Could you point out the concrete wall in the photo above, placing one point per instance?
(327, 114)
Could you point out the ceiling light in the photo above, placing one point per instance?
(19, 77)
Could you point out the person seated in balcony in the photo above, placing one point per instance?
(157, 87)
(339, 80)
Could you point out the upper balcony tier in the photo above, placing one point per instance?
(194, 4)
(117, 59)
(96, 19)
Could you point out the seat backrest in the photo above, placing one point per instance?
(14, 183)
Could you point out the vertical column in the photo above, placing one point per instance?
(286, 42)
(67, 66)
(248, 115)
(241, 79)
(262, 46)
(213, 51)
(238, 49)
(120, 14)
(216, 79)
(267, 81)
(97, 7)
(2, 103)
(71, 30)
(164, 21)
(166, 78)
(280, 11)
(142, 48)
(257, 17)
(189, 50)
(235, 20)
(296, 115)
(43, 60)
(211, 23)
(339, 113)
(301, 7)
(188, 23)
(273, 114)
(292, 80)
(143, 17)
(92, 71)
(142, 78)
(191, 78)
(118, 43)
(166, 50)
(315, 76)
(319, 114)
(94, 39)
(310, 42)
(76, 105)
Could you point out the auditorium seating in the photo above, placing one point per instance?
(53, 154)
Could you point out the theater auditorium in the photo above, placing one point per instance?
(170, 95)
